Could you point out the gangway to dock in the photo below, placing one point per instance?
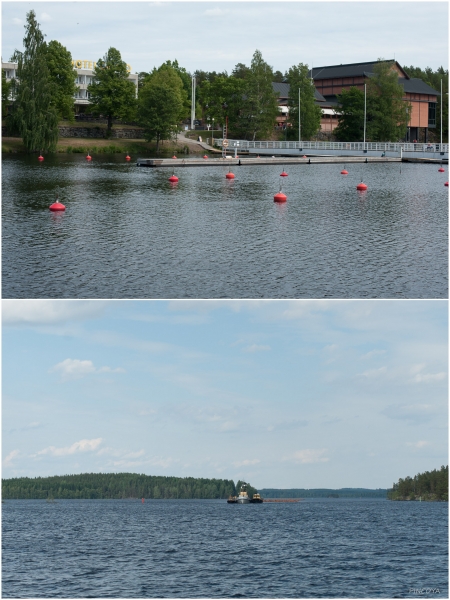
(404, 151)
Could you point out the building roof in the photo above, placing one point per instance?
(283, 91)
(417, 86)
(350, 70)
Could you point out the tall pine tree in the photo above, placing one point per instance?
(35, 114)
(310, 113)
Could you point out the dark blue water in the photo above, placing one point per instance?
(127, 233)
(315, 548)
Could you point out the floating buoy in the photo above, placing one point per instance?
(280, 197)
(361, 186)
(143, 500)
(205, 156)
(229, 175)
(304, 156)
(57, 205)
(344, 172)
(174, 156)
(40, 158)
(88, 157)
(446, 183)
(127, 157)
(283, 174)
(441, 170)
(173, 178)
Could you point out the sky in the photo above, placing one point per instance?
(215, 36)
(283, 394)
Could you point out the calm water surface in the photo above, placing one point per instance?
(191, 549)
(127, 233)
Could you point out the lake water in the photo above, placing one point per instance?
(317, 548)
(126, 233)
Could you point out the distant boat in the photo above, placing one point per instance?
(243, 496)
(232, 500)
(256, 499)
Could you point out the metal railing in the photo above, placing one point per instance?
(340, 146)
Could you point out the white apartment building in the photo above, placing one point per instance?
(85, 74)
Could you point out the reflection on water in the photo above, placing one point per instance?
(128, 233)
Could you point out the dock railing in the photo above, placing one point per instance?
(335, 146)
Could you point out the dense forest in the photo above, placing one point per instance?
(115, 485)
(431, 485)
(324, 493)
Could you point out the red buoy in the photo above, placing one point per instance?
(441, 170)
(304, 156)
(229, 175)
(174, 156)
(344, 172)
(88, 157)
(280, 197)
(40, 158)
(283, 174)
(173, 178)
(361, 186)
(57, 206)
(446, 183)
(127, 157)
(143, 500)
(205, 156)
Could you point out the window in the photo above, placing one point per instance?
(431, 114)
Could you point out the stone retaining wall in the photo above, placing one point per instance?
(100, 133)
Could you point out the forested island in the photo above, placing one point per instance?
(431, 486)
(116, 486)
(324, 493)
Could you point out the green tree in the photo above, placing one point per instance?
(62, 74)
(111, 93)
(241, 71)
(161, 104)
(34, 112)
(6, 90)
(310, 113)
(222, 98)
(259, 109)
(389, 112)
(351, 115)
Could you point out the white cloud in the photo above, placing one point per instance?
(419, 444)
(17, 21)
(256, 348)
(46, 312)
(246, 463)
(11, 456)
(81, 446)
(373, 353)
(308, 456)
(374, 373)
(45, 17)
(73, 368)
(429, 377)
(215, 12)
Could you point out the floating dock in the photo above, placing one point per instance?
(260, 160)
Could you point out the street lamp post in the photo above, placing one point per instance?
(441, 115)
(365, 116)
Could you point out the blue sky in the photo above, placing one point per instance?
(217, 35)
(280, 393)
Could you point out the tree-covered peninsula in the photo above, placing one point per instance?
(431, 485)
(115, 486)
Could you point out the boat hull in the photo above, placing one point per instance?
(243, 500)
